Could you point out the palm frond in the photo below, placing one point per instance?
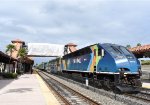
(22, 52)
(10, 48)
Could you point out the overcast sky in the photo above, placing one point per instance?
(83, 22)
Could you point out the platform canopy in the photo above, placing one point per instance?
(45, 50)
(6, 58)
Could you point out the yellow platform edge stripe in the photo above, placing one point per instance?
(48, 95)
(146, 85)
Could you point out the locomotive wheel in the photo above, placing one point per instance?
(99, 84)
(107, 83)
(138, 82)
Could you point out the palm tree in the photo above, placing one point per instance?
(139, 44)
(10, 48)
(147, 54)
(128, 46)
(22, 54)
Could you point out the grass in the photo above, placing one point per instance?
(145, 62)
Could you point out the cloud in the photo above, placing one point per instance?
(80, 21)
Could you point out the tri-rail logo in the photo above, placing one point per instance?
(79, 60)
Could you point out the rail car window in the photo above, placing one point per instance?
(124, 50)
(99, 52)
(94, 52)
(114, 51)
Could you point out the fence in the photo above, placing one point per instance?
(145, 75)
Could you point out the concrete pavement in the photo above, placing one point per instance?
(26, 90)
(146, 68)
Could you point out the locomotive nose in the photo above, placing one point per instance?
(127, 65)
(133, 65)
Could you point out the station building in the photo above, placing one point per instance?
(27, 62)
(7, 63)
(14, 63)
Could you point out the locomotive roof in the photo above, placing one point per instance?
(79, 50)
(82, 49)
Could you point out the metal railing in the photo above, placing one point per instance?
(146, 76)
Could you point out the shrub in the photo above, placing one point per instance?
(19, 72)
(10, 75)
(145, 62)
(14, 75)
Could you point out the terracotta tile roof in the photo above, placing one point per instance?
(5, 58)
(27, 60)
(72, 49)
(140, 49)
(71, 44)
(17, 40)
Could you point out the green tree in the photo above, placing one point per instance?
(9, 49)
(22, 53)
(147, 54)
(139, 44)
(36, 65)
(128, 46)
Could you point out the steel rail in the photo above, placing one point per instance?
(138, 97)
(92, 102)
(66, 102)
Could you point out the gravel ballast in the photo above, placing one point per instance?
(102, 96)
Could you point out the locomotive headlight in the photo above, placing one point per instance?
(119, 69)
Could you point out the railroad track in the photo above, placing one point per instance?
(140, 96)
(145, 90)
(66, 94)
(60, 98)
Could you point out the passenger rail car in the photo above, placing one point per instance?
(113, 64)
(55, 65)
(43, 66)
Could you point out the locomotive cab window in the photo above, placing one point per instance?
(99, 52)
(94, 52)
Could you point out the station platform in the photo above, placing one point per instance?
(28, 89)
(146, 85)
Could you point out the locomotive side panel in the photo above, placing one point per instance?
(109, 63)
(85, 60)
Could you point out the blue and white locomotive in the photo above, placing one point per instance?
(113, 64)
